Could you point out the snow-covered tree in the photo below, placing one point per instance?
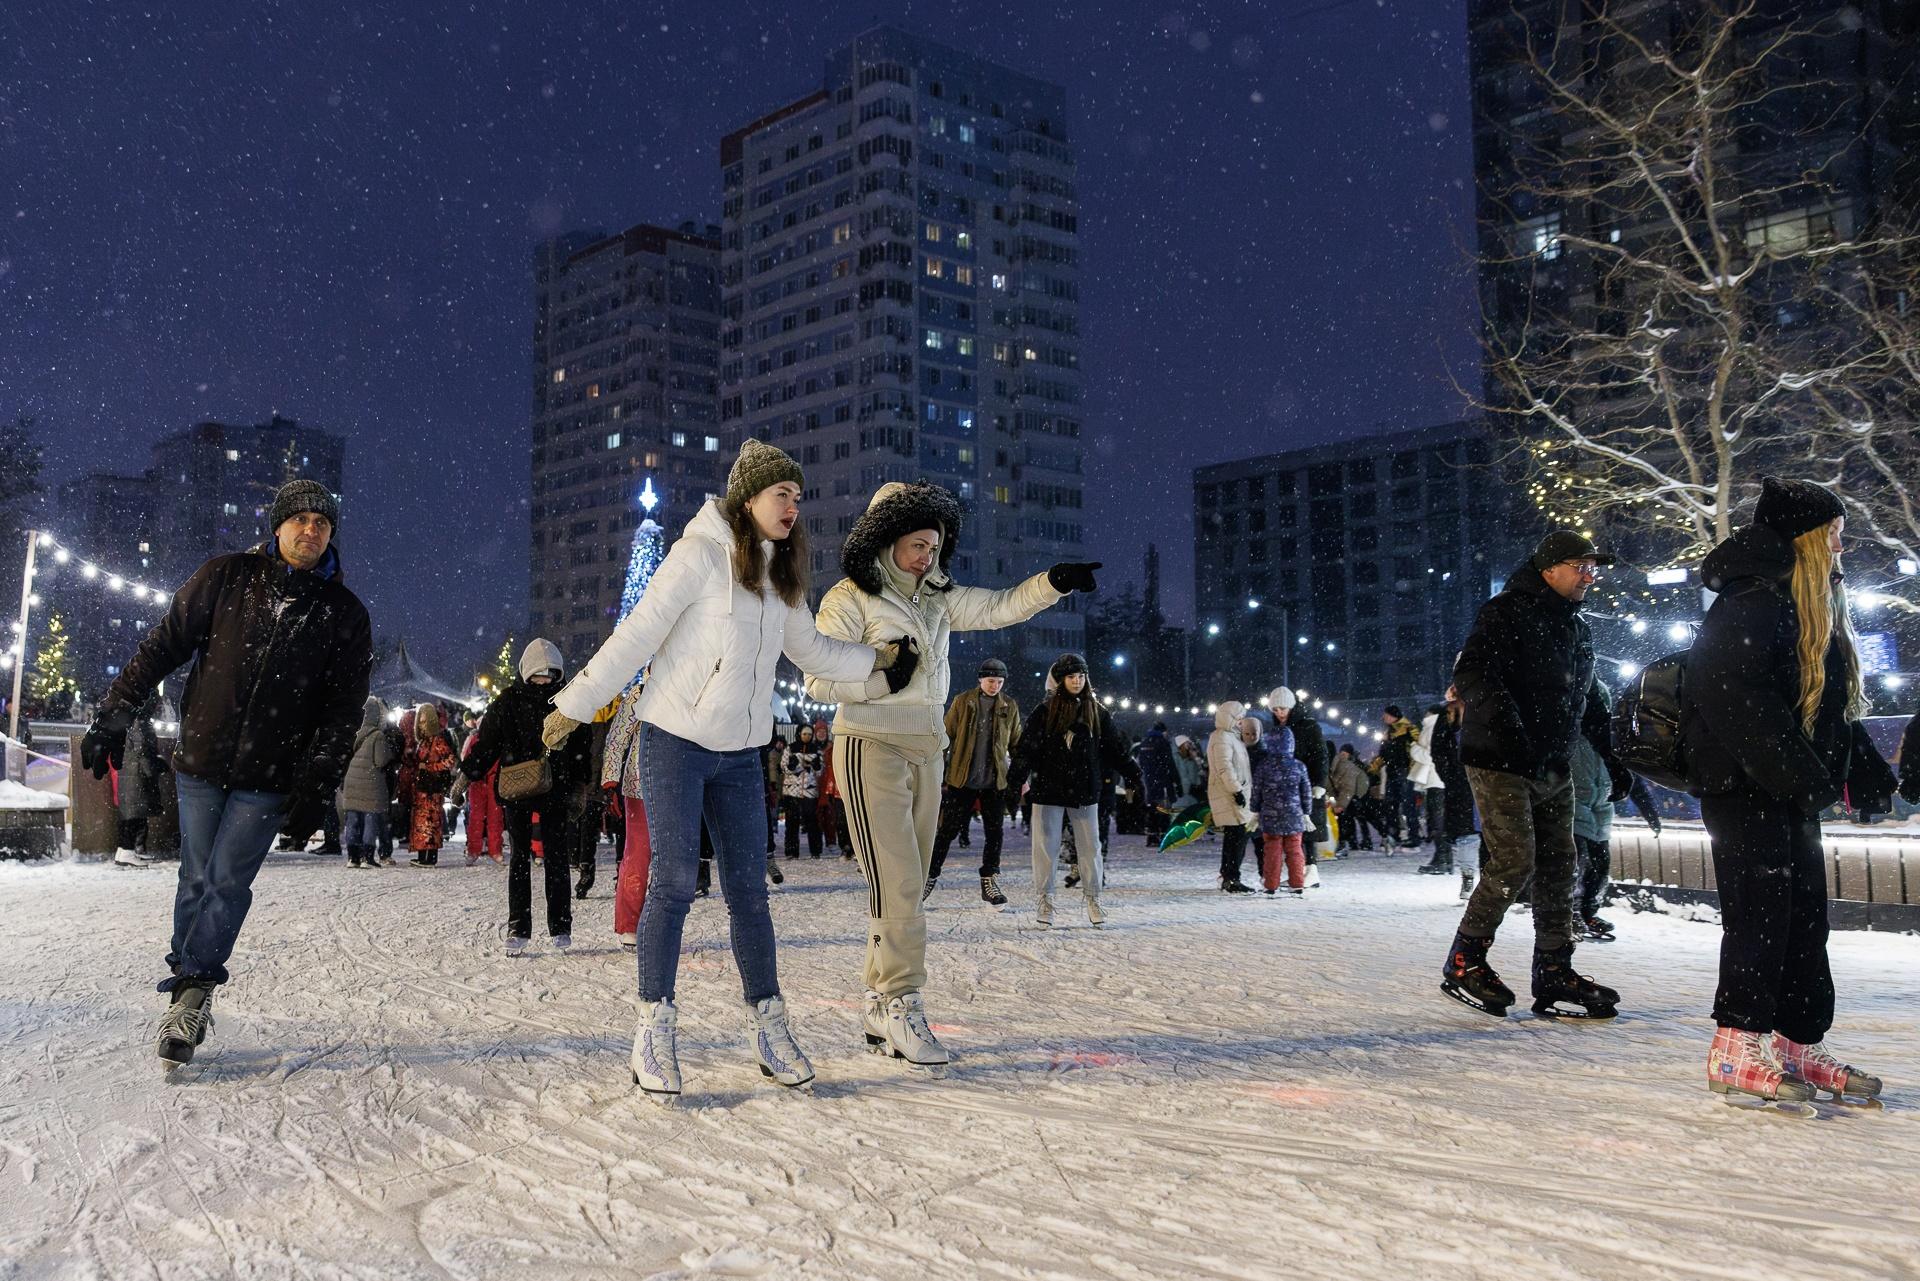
(1693, 289)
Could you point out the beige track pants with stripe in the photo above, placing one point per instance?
(892, 793)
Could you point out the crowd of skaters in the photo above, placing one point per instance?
(667, 735)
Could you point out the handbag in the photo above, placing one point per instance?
(524, 780)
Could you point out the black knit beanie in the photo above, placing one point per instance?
(1791, 508)
(298, 496)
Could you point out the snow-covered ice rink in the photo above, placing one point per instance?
(1210, 1087)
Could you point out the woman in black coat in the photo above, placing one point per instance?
(1773, 702)
(1069, 743)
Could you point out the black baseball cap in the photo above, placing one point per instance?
(1565, 544)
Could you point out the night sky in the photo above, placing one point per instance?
(326, 210)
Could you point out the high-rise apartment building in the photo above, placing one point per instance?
(900, 266)
(1354, 569)
(626, 351)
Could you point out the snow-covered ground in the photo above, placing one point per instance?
(1210, 1087)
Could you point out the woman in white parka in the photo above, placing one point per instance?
(1229, 786)
(726, 602)
(887, 741)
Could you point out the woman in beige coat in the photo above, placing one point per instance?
(1229, 784)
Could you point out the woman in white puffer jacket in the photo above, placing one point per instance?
(727, 601)
(1229, 787)
(887, 742)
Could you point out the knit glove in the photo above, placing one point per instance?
(1073, 576)
(555, 729)
(906, 662)
(105, 741)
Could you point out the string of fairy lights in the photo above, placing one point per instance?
(53, 555)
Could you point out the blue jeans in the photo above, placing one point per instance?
(224, 837)
(363, 831)
(682, 782)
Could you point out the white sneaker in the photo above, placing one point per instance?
(656, 1052)
(516, 946)
(780, 1058)
(131, 858)
(1044, 915)
(628, 940)
(1095, 917)
(909, 1037)
(561, 942)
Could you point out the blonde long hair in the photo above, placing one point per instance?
(1820, 600)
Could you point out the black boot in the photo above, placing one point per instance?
(1439, 865)
(1468, 979)
(1234, 885)
(1556, 986)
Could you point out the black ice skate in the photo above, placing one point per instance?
(186, 1024)
(1468, 979)
(1556, 988)
(1598, 929)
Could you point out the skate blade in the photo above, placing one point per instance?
(802, 1087)
(663, 1098)
(1462, 996)
(1852, 1102)
(1575, 1014)
(1779, 1107)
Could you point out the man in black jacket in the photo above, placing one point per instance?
(281, 652)
(1526, 678)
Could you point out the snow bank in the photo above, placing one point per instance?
(18, 796)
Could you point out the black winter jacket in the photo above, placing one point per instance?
(509, 734)
(1526, 677)
(1309, 745)
(281, 659)
(1741, 727)
(1458, 813)
(1069, 774)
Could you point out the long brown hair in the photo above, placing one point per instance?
(1072, 711)
(1820, 600)
(788, 570)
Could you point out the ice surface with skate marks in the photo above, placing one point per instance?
(1218, 1087)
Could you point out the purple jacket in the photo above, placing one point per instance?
(1281, 792)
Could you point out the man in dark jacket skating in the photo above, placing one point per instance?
(1526, 678)
(281, 652)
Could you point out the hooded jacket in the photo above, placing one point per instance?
(1424, 775)
(1348, 780)
(1526, 677)
(364, 790)
(1592, 784)
(1065, 769)
(509, 734)
(280, 664)
(713, 646)
(1741, 726)
(878, 602)
(1281, 792)
(1229, 769)
(1309, 745)
(1157, 775)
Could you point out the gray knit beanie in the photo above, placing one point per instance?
(298, 496)
(758, 467)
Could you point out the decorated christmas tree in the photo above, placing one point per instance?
(53, 684)
(649, 546)
(504, 669)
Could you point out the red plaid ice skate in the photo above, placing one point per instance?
(1741, 1063)
(1814, 1065)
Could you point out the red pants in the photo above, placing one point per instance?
(636, 856)
(1276, 850)
(486, 822)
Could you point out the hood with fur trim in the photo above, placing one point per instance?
(898, 508)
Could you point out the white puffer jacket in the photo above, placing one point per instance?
(713, 645)
(1229, 769)
(930, 615)
(1423, 775)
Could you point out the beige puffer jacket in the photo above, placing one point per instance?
(1229, 769)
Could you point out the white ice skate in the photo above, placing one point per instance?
(1044, 915)
(516, 946)
(1095, 917)
(628, 940)
(656, 1052)
(780, 1058)
(908, 1036)
(561, 942)
(1313, 876)
(131, 858)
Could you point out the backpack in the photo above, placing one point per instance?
(1646, 723)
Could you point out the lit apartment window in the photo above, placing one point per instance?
(145, 548)
(1001, 494)
(965, 345)
(963, 240)
(230, 509)
(966, 133)
(679, 439)
(999, 281)
(936, 268)
(559, 375)
(593, 391)
(613, 440)
(933, 231)
(710, 443)
(1541, 235)
(233, 455)
(962, 275)
(935, 340)
(1002, 352)
(843, 233)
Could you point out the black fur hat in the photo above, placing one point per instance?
(898, 508)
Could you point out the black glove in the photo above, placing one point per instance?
(1622, 782)
(1239, 800)
(106, 741)
(1073, 576)
(904, 666)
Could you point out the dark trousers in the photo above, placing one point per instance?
(1358, 822)
(802, 812)
(956, 809)
(555, 829)
(1233, 849)
(1437, 826)
(1402, 819)
(1596, 865)
(1771, 874)
(1526, 831)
